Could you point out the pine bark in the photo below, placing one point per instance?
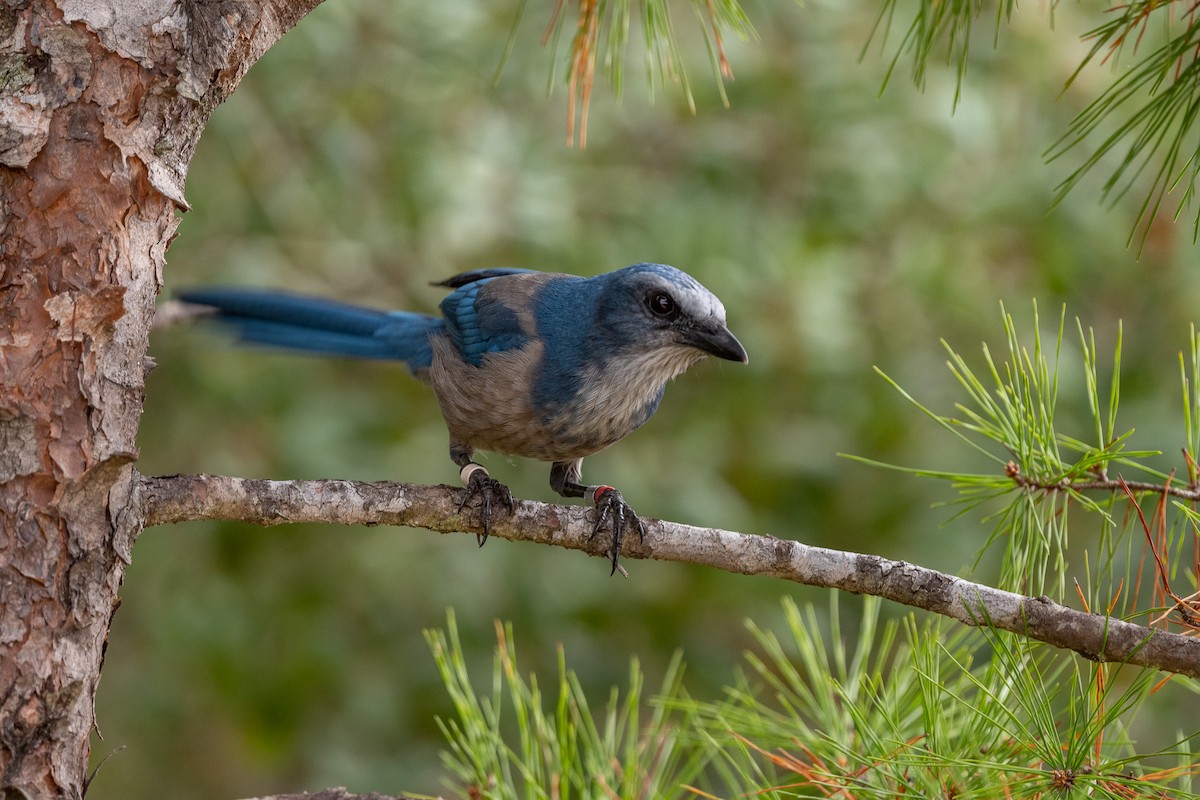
(101, 105)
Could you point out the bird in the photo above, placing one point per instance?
(541, 365)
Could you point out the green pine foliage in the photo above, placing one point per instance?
(601, 36)
(1045, 475)
(520, 740)
(1039, 471)
(1141, 128)
(942, 711)
(914, 709)
(1147, 117)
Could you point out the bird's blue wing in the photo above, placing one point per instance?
(481, 316)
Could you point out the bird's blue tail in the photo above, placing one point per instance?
(310, 324)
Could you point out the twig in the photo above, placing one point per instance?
(170, 313)
(1106, 484)
(178, 498)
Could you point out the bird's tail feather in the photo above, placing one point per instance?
(310, 324)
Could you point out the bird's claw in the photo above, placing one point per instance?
(489, 490)
(612, 508)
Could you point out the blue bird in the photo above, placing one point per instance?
(541, 365)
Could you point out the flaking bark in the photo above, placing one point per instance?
(101, 105)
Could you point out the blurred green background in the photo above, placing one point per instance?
(370, 153)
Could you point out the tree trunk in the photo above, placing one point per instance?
(101, 105)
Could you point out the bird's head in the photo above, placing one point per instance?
(660, 311)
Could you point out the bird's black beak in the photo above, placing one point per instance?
(716, 340)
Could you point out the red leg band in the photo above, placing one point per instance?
(600, 490)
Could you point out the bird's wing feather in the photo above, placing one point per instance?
(463, 278)
(295, 322)
(490, 311)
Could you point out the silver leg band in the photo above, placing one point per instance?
(470, 469)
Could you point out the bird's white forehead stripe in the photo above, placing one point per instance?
(697, 301)
(701, 302)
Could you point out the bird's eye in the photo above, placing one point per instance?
(661, 304)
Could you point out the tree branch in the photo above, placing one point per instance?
(336, 793)
(179, 498)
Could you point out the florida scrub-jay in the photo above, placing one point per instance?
(541, 365)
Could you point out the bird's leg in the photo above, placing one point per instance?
(479, 482)
(565, 477)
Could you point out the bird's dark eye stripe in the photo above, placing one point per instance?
(661, 303)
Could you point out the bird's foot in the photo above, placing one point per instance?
(489, 490)
(612, 508)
